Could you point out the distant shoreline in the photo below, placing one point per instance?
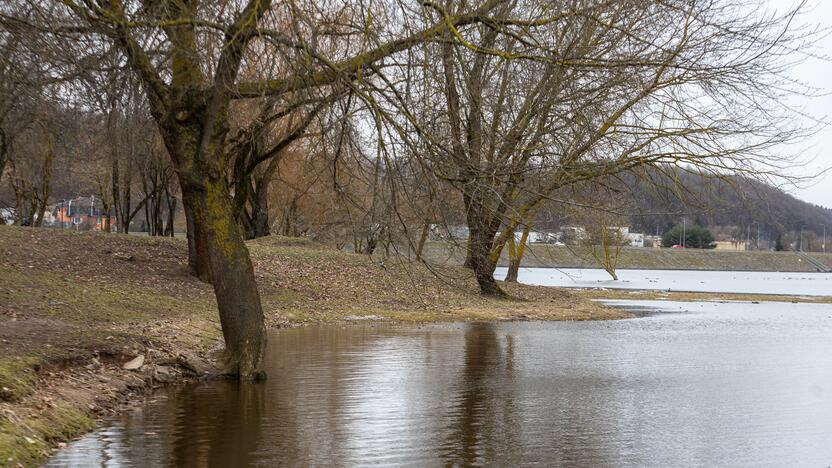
(661, 269)
(633, 258)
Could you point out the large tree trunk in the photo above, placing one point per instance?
(193, 121)
(515, 255)
(483, 219)
(481, 262)
(511, 275)
(197, 245)
(219, 240)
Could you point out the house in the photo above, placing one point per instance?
(542, 237)
(636, 239)
(653, 241)
(535, 237)
(82, 214)
(623, 231)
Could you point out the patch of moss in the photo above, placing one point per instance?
(26, 442)
(15, 449)
(61, 424)
(17, 378)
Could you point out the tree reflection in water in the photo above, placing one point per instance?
(482, 417)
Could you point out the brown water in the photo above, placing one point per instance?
(709, 385)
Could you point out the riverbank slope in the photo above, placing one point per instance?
(75, 308)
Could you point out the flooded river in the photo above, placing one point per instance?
(747, 282)
(694, 384)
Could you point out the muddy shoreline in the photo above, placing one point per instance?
(69, 400)
(74, 397)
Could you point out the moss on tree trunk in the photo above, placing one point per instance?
(221, 243)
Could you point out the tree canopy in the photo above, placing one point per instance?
(689, 236)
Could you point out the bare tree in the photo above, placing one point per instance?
(510, 101)
(602, 88)
(188, 56)
(605, 237)
(29, 179)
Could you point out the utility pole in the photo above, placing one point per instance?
(758, 236)
(748, 237)
(801, 239)
(684, 227)
(824, 239)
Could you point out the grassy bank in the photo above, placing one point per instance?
(75, 307)
(651, 295)
(544, 255)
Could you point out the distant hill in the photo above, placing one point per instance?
(732, 205)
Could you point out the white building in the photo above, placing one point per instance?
(536, 237)
(542, 237)
(636, 239)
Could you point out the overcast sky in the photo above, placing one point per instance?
(817, 73)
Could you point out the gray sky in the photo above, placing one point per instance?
(816, 73)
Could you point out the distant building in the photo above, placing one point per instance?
(543, 237)
(460, 233)
(82, 213)
(573, 234)
(654, 242)
(730, 245)
(623, 231)
(535, 237)
(636, 239)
